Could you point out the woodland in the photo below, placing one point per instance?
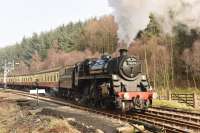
(169, 60)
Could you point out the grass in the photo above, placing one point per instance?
(2, 130)
(174, 104)
(171, 104)
(7, 108)
(6, 111)
(60, 126)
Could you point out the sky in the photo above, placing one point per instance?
(19, 18)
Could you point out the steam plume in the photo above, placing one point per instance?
(133, 15)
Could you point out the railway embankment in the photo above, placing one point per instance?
(169, 119)
(21, 114)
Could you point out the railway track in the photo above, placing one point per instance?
(154, 121)
(179, 112)
(188, 117)
(170, 123)
(184, 120)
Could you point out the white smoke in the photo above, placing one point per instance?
(133, 15)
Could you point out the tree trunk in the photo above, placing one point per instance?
(146, 63)
(154, 67)
(172, 63)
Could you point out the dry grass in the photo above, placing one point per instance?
(60, 126)
(171, 104)
(16, 119)
(7, 112)
(7, 108)
(164, 92)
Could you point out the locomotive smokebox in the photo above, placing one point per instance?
(123, 52)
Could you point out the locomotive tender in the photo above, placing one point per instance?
(105, 82)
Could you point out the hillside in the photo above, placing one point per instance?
(170, 60)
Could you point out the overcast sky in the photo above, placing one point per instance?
(23, 17)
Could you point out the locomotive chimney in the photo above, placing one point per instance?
(123, 52)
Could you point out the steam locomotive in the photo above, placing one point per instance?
(104, 82)
(108, 82)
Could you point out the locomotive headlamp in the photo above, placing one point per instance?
(126, 96)
(115, 77)
(144, 77)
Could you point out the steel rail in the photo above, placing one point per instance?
(183, 117)
(178, 111)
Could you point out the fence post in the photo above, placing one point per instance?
(194, 100)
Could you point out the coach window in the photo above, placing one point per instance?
(54, 77)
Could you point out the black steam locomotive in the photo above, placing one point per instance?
(107, 82)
